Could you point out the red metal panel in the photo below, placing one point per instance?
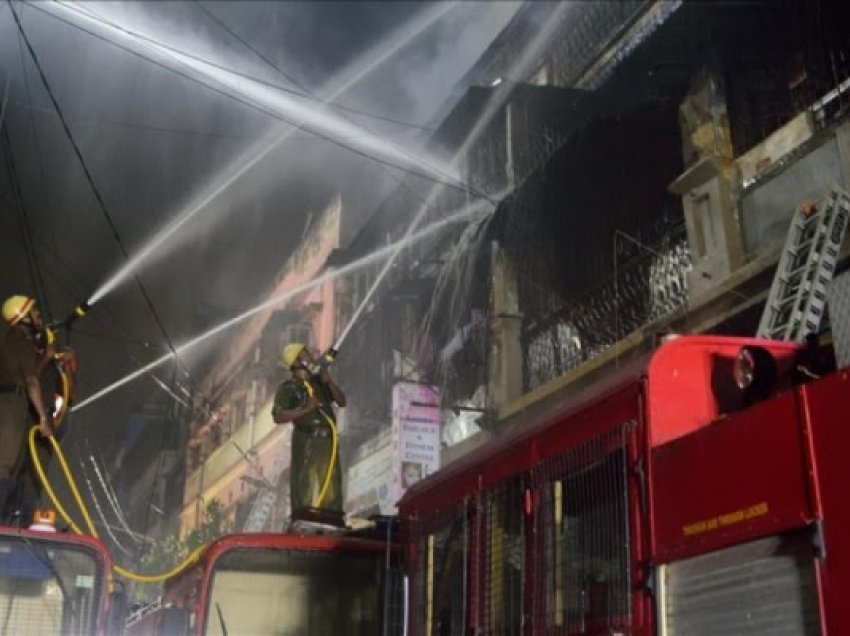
(642, 601)
(826, 405)
(518, 453)
(737, 479)
(605, 414)
(686, 382)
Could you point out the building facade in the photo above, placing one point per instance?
(235, 450)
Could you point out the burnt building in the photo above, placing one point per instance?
(642, 160)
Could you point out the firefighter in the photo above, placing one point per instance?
(21, 364)
(306, 400)
(28, 497)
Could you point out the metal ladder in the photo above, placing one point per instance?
(265, 501)
(797, 298)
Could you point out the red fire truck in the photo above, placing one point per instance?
(703, 490)
(283, 584)
(52, 583)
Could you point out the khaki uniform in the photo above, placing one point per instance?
(312, 444)
(18, 359)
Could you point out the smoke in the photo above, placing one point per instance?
(152, 139)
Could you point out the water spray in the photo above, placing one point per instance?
(523, 62)
(335, 88)
(470, 211)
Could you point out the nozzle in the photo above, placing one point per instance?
(79, 311)
(323, 361)
(327, 358)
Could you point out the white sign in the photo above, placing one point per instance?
(416, 434)
(369, 481)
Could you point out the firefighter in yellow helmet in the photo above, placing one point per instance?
(306, 399)
(21, 364)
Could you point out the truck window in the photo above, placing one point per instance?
(48, 588)
(268, 591)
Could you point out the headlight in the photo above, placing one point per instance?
(744, 369)
(755, 373)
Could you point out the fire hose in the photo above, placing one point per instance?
(62, 365)
(334, 449)
(92, 530)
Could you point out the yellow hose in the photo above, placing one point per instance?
(66, 397)
(39, 469)
(334, 447)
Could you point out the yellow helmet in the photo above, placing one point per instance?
(290, 353)
(16, 307)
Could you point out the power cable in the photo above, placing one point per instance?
(306, 94)
(104, 523)
(170, 130)
(76, 292)
(113, 497)
(113, 501)
(310, 94)
(5, 100)
(246, 44)
(39, 155)
(19, 204)
(452, 183)
(99, 198)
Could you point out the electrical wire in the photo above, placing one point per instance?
(168, 130)
(113, 498)
(306, 94)
(44, 189)
(76, 293)
(24, 226)
(95, 190)
(451, 183)
(104, 523)
(5, 100)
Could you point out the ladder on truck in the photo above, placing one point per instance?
(264, 501)
(797, 298)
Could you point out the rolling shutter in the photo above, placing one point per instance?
(762, 587)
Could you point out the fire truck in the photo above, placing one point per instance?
(701, 490)
(264, 583)
(57, 583)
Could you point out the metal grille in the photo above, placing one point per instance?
(645, 289)
(763, 587)
(502, 559)
(582, 565)
(587, 37)
(439, 591)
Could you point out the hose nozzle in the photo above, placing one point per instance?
(324, 361)
(328, 357)
(79, 311)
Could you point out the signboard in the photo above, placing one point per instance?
(416, 434)
(369, 481)
(400, 455)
